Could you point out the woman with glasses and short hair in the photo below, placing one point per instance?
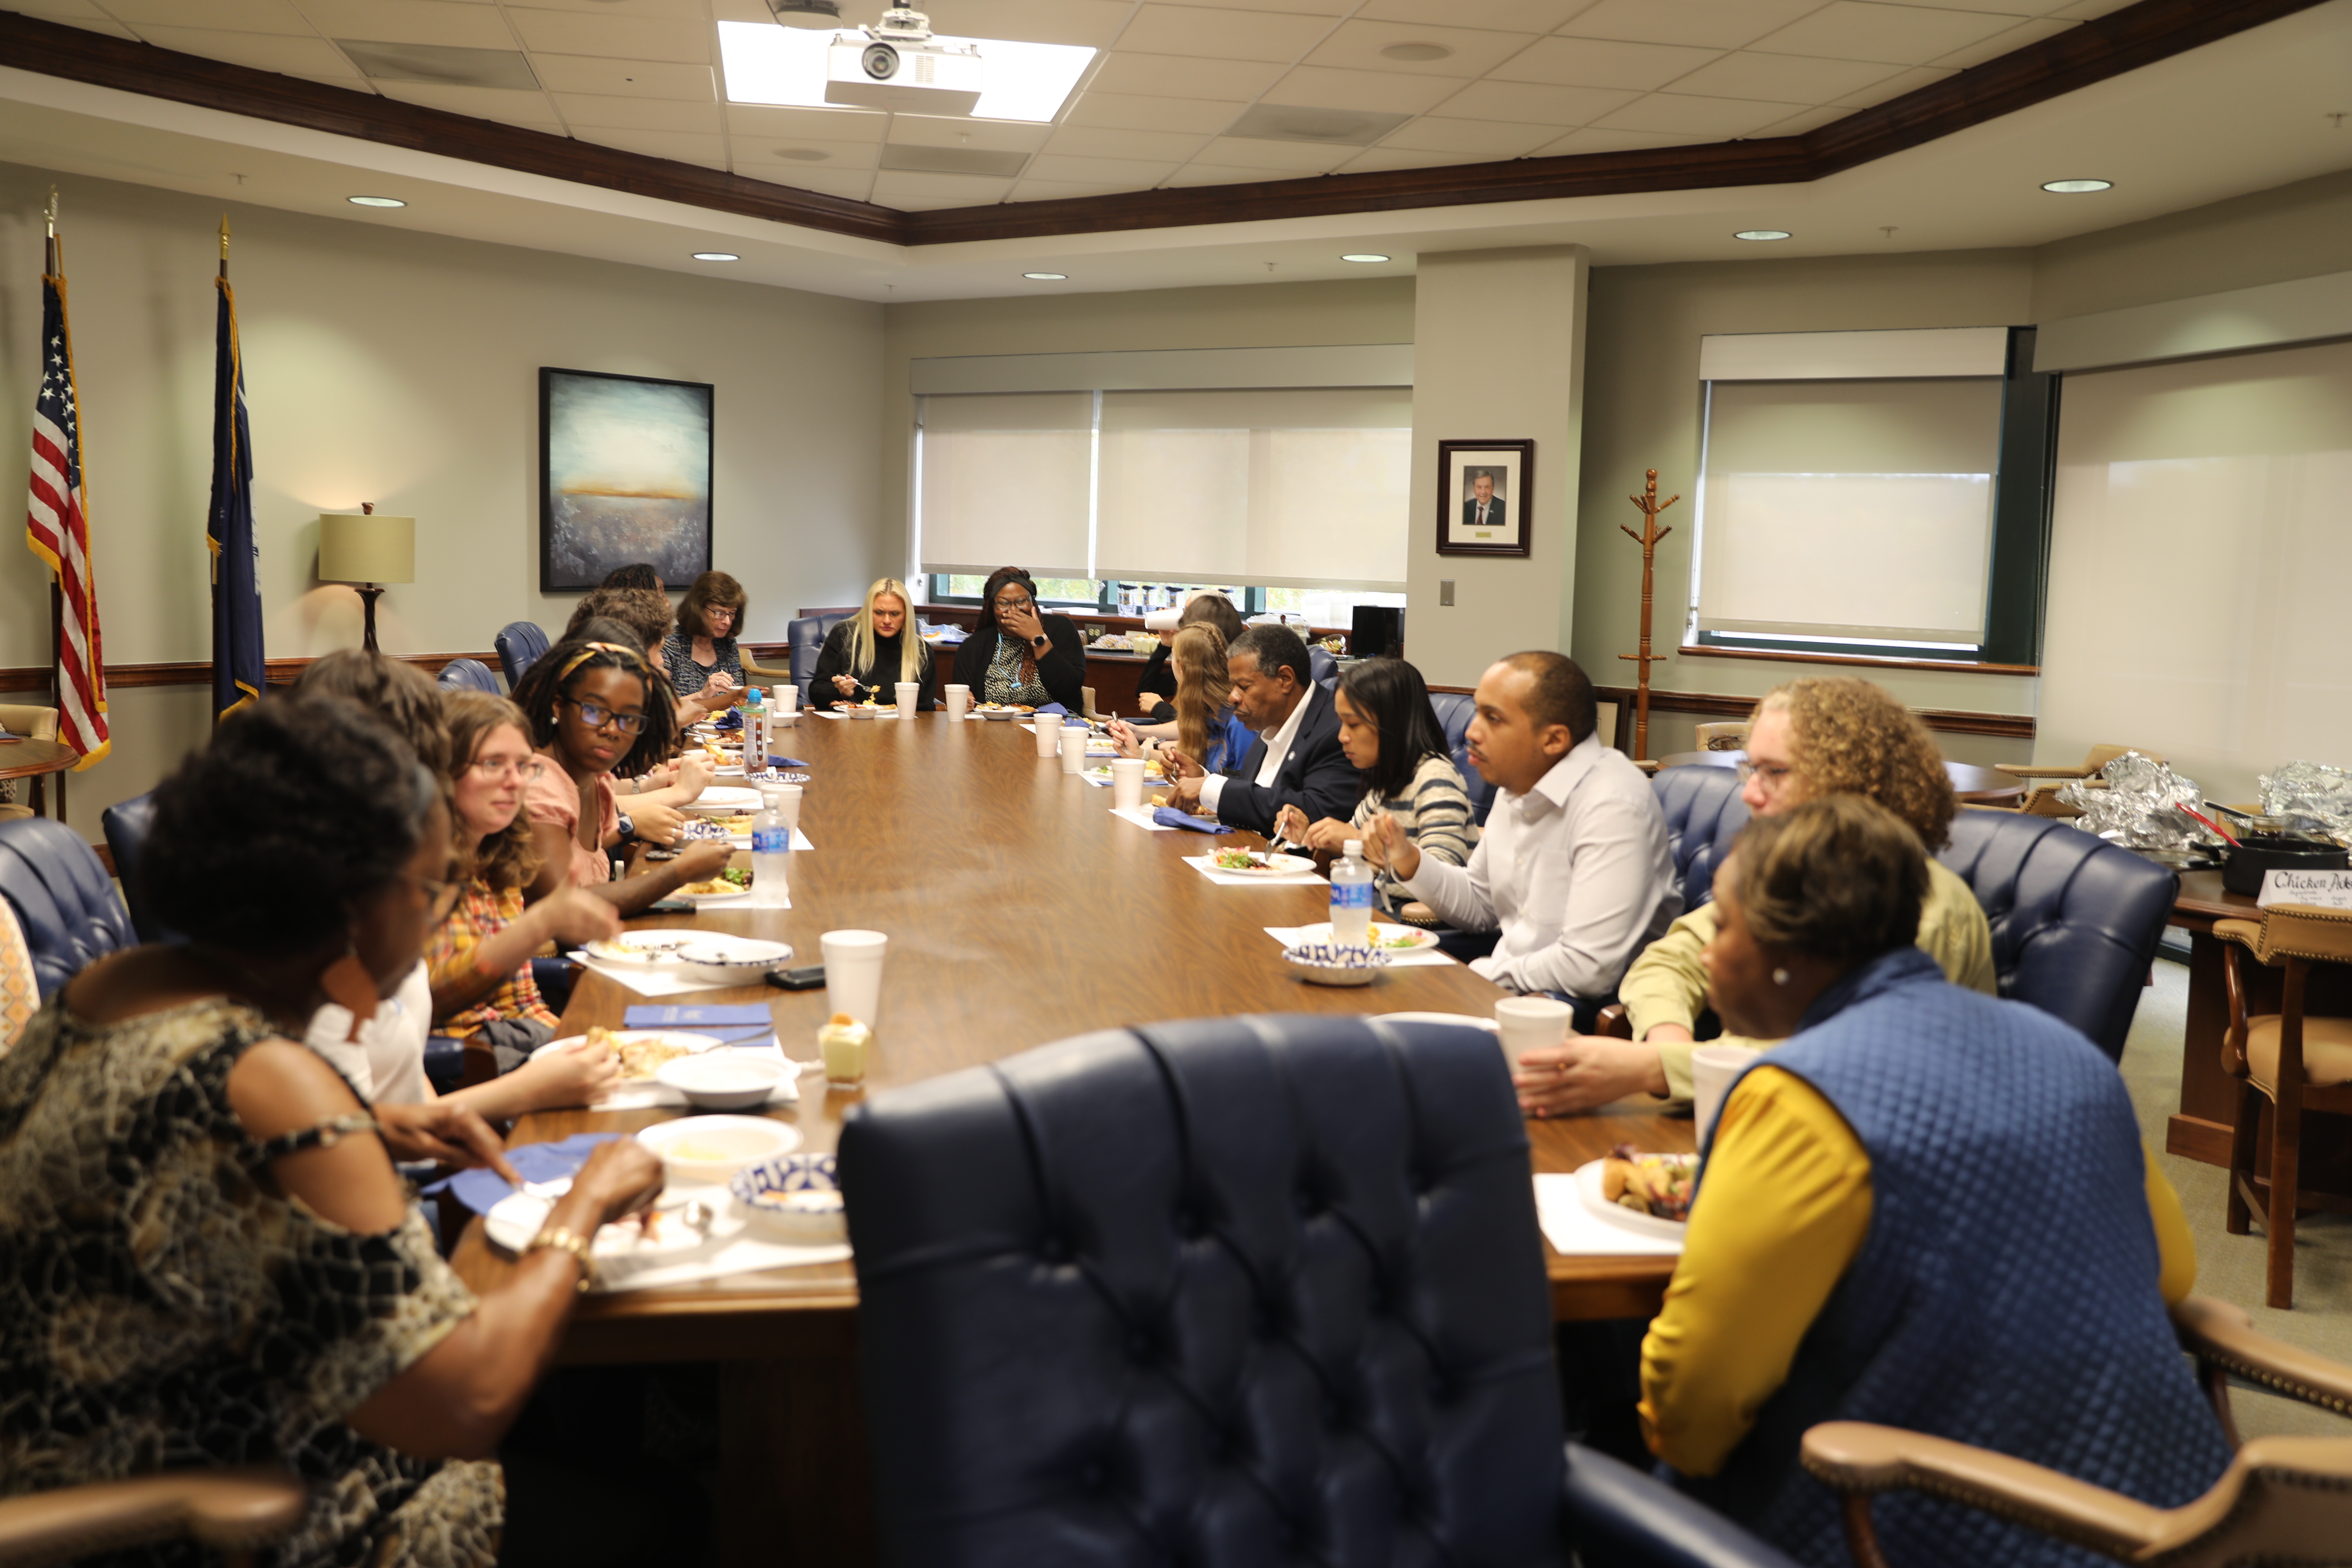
(1020, 654)
(1807, 740)
(593, 708)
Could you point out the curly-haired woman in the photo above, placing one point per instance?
(1808, 740)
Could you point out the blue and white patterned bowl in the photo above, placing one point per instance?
(700, 827)
(776, 776)
(792, 1197)
(1329, 964)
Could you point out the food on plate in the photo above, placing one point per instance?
(1658, 1184)
(638, 1058)
(1003, 708)
(807, 1214)
(716, 887)
(1395, 936)
(1239, 860)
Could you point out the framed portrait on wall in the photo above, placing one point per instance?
(624, 476)
(1486, 496)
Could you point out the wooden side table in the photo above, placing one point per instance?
(22, 757)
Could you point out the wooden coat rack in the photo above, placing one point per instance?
(1648, 539)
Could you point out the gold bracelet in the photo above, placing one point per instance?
(563, 1239)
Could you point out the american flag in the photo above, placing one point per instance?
(57, 527)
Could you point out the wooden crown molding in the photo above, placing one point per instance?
(2107, 47)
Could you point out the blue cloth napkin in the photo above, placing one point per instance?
(789, 763)
(747, 1024)
(1169, 816)
(730, 720)
(1045, 709)
(481, 1190)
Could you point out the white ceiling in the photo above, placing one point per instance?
(2248, 114)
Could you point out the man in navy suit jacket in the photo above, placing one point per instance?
(1482, 497)
(1297, 760)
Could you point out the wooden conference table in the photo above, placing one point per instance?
(1020, 911)
(1974, 785)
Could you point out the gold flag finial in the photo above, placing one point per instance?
(223, 236)
(51, 213)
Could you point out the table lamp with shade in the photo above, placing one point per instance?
(369, 552)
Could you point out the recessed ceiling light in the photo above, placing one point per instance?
(377, 201)
(1762, 234)
(1046, 276)
(1364, 256)
(2076, 187)
(716, 256)
(1417, 52)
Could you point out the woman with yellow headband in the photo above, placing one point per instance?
(596, 708)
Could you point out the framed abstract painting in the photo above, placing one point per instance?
(624, 476)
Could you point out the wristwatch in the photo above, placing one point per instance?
(628, 823)
(1039, 642)
(563, 1239)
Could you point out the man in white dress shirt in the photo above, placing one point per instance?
(1573, 870)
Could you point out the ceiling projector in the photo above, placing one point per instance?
(894, 64)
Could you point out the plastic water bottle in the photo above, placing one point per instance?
(1351, 897)
(755, 731)
(771, 853)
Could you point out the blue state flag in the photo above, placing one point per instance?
(237, 661)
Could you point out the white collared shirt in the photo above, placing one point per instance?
(1278, 742)
(1576, 873)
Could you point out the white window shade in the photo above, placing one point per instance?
(2199, 554)
(1006, 481)
(1849, 511)
(1284, 488)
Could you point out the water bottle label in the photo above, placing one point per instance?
(771, 840)
(1351, 895)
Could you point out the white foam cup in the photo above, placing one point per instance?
(785, 798)
(909, 692)
(853, 973)
(1048, 727)
(959, 702)
(1074, 751)
(1126, 782)
(1526, 1023)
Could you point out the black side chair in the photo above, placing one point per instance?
(805, 637)
(126, 823)
(62, 898)
(1235, 1290)
(2074, 919)
(519, 644)
(469, 674)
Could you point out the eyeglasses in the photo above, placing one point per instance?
(1021, 603)
(493, 770)
(595, 715)
(1774, 774)
(440, 897)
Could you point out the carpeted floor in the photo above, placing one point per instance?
(2231, 1268)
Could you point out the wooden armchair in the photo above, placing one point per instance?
(2283, 1499)
(1731, 736)
(2295, 1061)
(232, 1511)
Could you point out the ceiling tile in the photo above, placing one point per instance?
(990, 135)
(810, 157)
(637, 114)
(1385, 92)
(507, 108)
(1504, 16)
(2088, 10)
(1279, 7)
(1719, 118)
(1898, 34)
(1480, 138)
(1098, 141)
(1593, 141)
(1357, 46)
(2005, 7)
(1093, 23)
(1286, 157)
(818, 125)
(1895, 86)
(1373, 160)
(689, 10)
(1220, 33)
(1603, 62)
(66, 11)
(620, 37)
(911, 192)
(453, 23)
(853, 184)
(625, 79)
(1533, 104)
(1706, 23)
(1809, 120)
(1223, 175)
(230, 15)
(2003, 42)
(1125, 112)
(684, 146)
(1784, 79)
(1121, 173)
(88, 21)
(1179, 76)
(262, 51)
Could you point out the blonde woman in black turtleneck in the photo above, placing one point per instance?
(872, 651)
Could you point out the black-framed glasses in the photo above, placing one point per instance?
(595, 715)
(1023, 603)
(440, 897)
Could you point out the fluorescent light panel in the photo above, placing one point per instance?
(768, 64)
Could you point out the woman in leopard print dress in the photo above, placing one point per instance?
(207, 1257)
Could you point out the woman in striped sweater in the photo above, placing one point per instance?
(1391, 735)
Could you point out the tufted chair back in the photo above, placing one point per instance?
(1454, 710)
(1703, 815)
(62, 896)
(2074, 919)
(519, 644)
(1322, 667)
(806, 639)
(126, 823)
(469, 674)
(1234, 1290)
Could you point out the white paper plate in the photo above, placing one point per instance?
(1587, 1188)
(721, 899)
(721, 800)
(1277, 865)
(513, 1220)
(1468, 1020)
(643, 947)
(692, 1044)
(1387, 930)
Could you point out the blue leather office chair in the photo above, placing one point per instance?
(1322, 667)
(1454, 710)
(2074, 919)
(126, 823)
(469, 674)
(62, 898)
(1230, 1290)
(1703, 815)
(519, 644)
(806, 637)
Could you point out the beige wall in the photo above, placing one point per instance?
(2295, 231)
(403, 369)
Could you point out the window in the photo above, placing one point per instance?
(1005, 478)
